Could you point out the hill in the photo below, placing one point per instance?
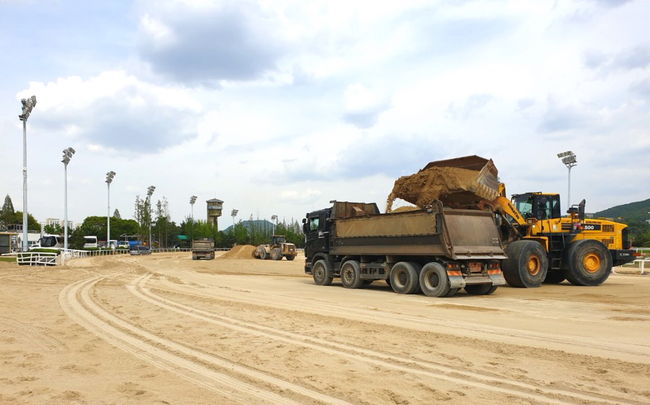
(255, 225)
(634, 211)
(636, 215)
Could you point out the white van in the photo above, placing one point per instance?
(90, 242)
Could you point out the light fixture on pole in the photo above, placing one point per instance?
(192, 201)
(109, 179)
(67, 155)
(274, 218)
(28, 105)
(233, 214)
(150, 191)
(569, 160)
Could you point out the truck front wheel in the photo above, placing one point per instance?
(351, 274)
(434, 281)
(588, 262)
(526, 265)
(322, 273)
(404, 277)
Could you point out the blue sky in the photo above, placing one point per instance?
(279, 107)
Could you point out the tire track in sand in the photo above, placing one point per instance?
(186, 362)
(499, 334)
(403, 364)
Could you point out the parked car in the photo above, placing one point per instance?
(140, 250)
(123, 244)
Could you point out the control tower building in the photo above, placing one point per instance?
(214, 211)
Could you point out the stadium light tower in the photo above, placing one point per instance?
(274, 218)
(192, 201)
(233, 214)
(150, 191)
(67, 155)
(569, 160)
(28, 105)
(109, 179)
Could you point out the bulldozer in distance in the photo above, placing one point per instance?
(277, 249)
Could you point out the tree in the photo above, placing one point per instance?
(55, 229)
(7, 211)
(116, 214)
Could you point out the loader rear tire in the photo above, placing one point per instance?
(589, 263)
(351, 274)
(434, 281)
(276, 254)
(322, 273)
(526, 265)
(404, 277)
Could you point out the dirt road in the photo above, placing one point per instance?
(164, 329)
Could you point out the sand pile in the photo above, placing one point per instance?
(239, 252)
(448, 182)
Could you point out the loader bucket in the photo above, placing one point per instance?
(460, 182)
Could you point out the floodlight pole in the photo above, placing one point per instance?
(28, 105)
(150, 191)
(192, 201)
(569, 188)
(109, 179)
(67, 155)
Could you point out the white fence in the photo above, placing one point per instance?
(37, 259)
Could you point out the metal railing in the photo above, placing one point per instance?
(37, 259)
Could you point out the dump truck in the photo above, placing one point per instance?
(277, 249)
(202, 249)
(542, 245)
(437, 250)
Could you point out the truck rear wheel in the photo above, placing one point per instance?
(290, 257)
(555, 277)
(434, 281)
(351, 274)
(526, 265)
(588, 262)
(276, 254)
(404, 277)
(322, 273)
(480, 289)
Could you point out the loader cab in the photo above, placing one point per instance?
(316, 226)
(277, 240)
(539, 206)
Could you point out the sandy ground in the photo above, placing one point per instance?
(163, 329)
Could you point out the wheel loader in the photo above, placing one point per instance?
(541, 244)
(276, 250)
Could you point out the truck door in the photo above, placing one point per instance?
(316, 233)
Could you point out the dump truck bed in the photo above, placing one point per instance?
(452, 233)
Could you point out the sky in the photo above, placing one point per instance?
(278, 107)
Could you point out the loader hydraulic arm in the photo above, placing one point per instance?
(505, 207)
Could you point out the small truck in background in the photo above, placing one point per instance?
(202, 249)
(437, 250)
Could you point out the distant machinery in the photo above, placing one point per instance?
(214, 208)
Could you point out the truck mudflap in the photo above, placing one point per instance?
(458, 280)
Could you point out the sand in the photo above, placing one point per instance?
(239, 252)
(164, 329)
